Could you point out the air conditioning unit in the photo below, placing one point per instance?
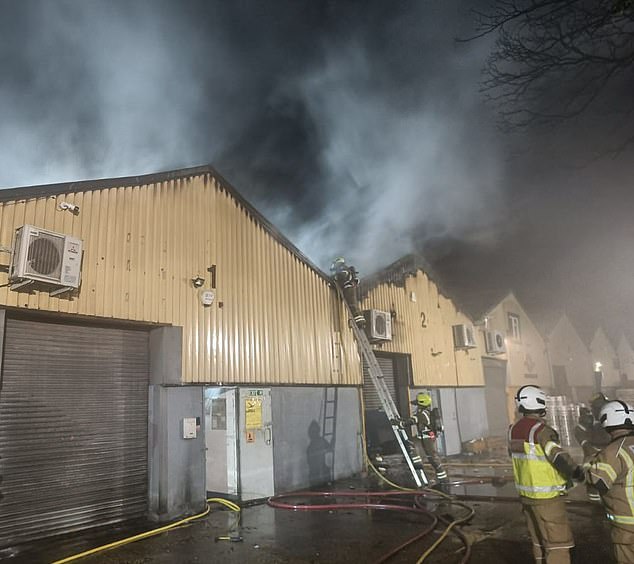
(495, 342)
(45, 256)
(378, 325)
(464, 337)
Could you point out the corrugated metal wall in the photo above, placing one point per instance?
(275, 319)
(423, 328)
(526, 356)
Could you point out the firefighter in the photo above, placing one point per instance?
(611, 473)
(542, 470)
(589, 432)
(346, 277)
(428, 426)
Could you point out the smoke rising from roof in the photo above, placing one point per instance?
(356, 127)
(394, 173)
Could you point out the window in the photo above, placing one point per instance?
(514, 326)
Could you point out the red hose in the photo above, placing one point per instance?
(381, 497)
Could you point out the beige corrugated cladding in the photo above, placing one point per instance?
(423, 328)
(275, 319)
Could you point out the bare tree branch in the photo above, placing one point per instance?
(558, 59)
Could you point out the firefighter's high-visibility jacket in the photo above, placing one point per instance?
(540, 466)
(611, 472)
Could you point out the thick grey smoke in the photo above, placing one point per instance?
(392, 171)
(102, 89)
(355, 138)
(356, 127)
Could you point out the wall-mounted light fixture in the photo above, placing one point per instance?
(67, 206)
(198, 281)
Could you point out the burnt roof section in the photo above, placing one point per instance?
(474, 303)
(397, 272)
(30, 192)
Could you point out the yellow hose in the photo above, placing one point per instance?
(151, 533)
(438, 541)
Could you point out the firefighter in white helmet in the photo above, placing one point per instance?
(347, 278)
(611, 473)
(542, 470)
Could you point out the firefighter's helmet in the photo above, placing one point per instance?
(337, 264)
(617, 414)
(423, 399)
(531, 398)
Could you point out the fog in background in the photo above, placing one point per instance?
(356, 127)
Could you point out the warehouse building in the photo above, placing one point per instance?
(432, 346)
(161, 339)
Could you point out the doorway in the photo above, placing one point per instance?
(221, 440)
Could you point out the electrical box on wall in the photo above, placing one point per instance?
(189, 427)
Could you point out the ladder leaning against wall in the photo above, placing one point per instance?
(387, 402)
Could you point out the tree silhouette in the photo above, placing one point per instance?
(556, 59)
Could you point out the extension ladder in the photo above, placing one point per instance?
(376, 375)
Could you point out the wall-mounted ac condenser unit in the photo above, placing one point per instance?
(45, 256)
(464, 337)
(495, 342)
(378, 325)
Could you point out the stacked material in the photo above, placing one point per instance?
(562, 416)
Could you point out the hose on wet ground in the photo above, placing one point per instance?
(225, 502)
(388, 501)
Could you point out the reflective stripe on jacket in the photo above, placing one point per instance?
(614, 467)
(422, 420)
(535, 476)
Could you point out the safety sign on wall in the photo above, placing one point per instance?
(253, 413)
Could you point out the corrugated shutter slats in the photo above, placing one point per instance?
(73, 428)
(370, 397)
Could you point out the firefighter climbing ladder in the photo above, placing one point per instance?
(376, 375)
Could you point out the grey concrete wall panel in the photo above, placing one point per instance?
(451, 437)
(495, 393)
(302, 455)
(177, 465)
(166, 355)
(472, 413)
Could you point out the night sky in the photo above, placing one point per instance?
(357, 127)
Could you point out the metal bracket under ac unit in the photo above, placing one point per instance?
(61, 290)
(21, 284)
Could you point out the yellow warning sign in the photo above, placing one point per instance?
(253, 412)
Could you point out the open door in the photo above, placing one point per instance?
(221, 440)
(256, 443)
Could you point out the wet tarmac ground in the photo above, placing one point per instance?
(496, 532)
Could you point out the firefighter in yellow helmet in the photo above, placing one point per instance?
(611, 473)
(428, 426)
(542, 471)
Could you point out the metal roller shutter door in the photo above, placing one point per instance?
(73, 428)
(370, 397)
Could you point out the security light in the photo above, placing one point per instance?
(198, 281)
